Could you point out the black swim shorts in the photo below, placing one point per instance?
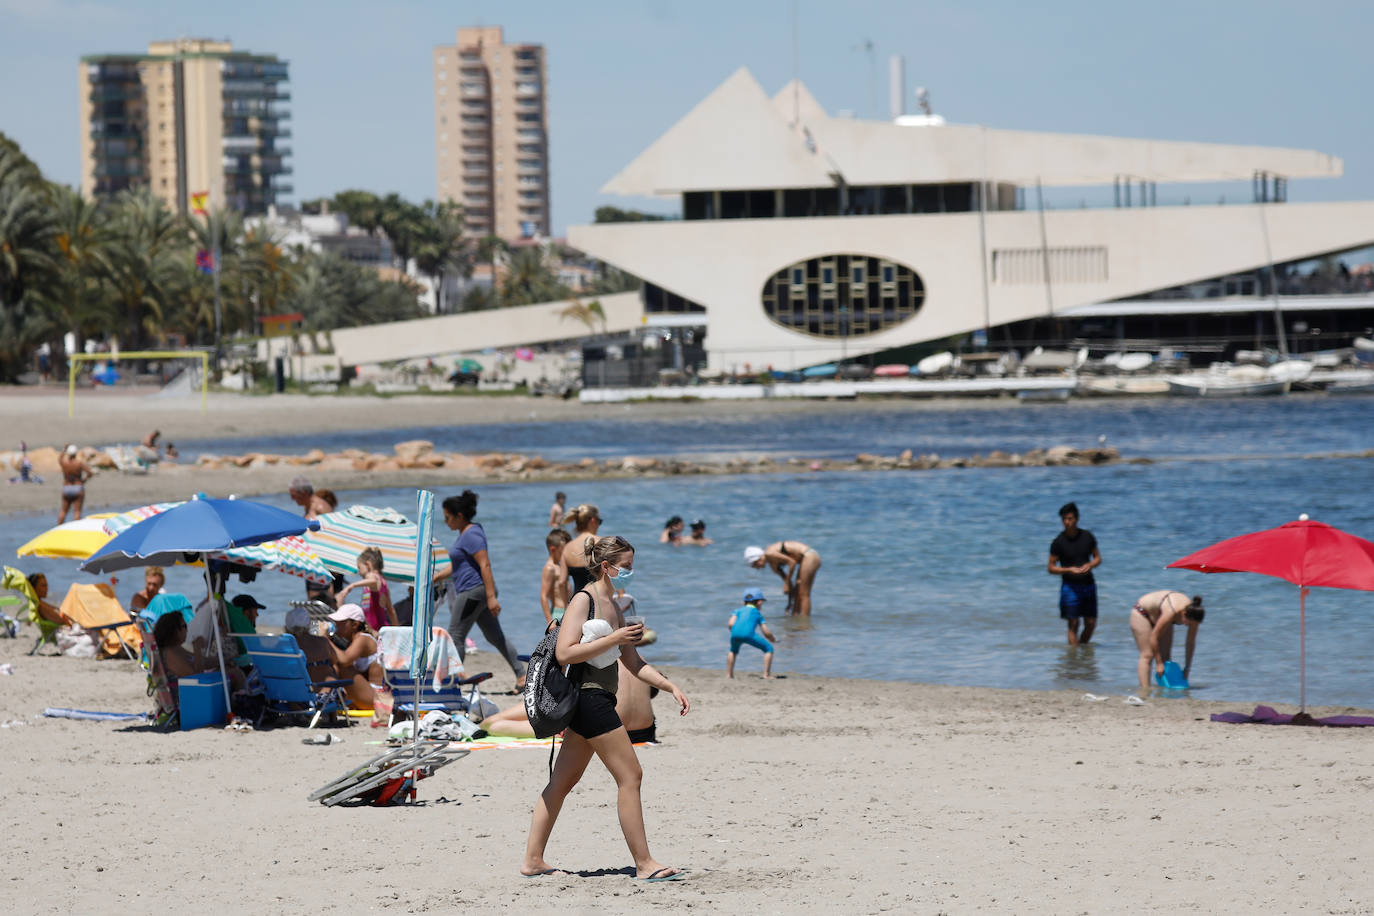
(595, 714)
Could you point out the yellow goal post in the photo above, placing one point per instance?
(77, 358)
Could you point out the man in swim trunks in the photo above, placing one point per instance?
(75, 473)
(1073, 554)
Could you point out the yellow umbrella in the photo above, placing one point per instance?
(77, 540)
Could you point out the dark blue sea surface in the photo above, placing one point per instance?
(939, 576)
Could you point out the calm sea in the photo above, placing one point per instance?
(939, 576)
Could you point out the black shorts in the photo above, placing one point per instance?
(595, 714)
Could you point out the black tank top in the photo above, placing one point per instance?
(581, 578)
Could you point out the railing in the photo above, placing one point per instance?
(241, 144)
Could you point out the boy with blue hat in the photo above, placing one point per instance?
(743, 624)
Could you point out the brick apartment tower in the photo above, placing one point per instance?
(491, 138)
(190, 116)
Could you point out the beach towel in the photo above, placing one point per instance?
(95, 607)
(58, 712)
(394, 644)
(1267, 715)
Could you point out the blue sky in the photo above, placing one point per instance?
(1257, 72)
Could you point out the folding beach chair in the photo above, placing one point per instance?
(442, 685)
(160, 687)
(280, 666)
(96, 610)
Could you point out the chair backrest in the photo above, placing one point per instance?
(160, 687)
(280, 665)
(449, 694)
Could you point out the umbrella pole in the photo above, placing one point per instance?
(1302, 644)
(215, 611)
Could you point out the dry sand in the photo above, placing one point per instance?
(798, 795)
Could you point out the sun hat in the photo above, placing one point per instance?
(247, 602)
(752, 554)
(754, 594)
(298, 618)
(349, 612)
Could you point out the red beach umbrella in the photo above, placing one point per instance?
(1309, 554)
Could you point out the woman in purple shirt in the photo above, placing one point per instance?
(472, 593)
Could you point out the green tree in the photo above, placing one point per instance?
(404, 225)
(149, 252)
(492, 249)
(27, 257)
(78, 298)
(442, 248)
(363, 209)
(529, 279)
(617, 215)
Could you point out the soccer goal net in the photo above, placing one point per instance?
(164, 373)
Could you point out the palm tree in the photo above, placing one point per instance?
(148, 258)
(77, 299)
(363, 209)
(493, 248)
(590, 314)
(27, 256)
(442, 248)
(530, 279)
(403, 222)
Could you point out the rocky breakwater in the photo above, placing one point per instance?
(420, 456)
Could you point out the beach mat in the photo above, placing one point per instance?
(1267, 715)
(499, 742)
(57, 712)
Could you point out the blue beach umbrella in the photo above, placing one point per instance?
(200, 526)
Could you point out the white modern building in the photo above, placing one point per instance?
(807, 238)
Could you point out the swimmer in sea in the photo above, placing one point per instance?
(672, 532)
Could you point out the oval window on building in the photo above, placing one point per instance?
(842, 295)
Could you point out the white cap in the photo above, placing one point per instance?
(349, 612)
(71, 451)
(298, 618)
(753, 554)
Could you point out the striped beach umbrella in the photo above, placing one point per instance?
(423, 607)
(71, 541)
(344, 534)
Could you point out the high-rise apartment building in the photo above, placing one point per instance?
(491, 133)
(191, 116)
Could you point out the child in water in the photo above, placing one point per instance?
(743, 622)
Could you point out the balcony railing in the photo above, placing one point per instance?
(245, 144)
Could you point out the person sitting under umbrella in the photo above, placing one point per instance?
(170, 635)
(1152, 623)
(361, 659)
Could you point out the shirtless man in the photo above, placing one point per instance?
(556, 510)
(796, 564)
(75, 473)
(553, 578)
(153, 581)
(301, 493)
(1152, 624)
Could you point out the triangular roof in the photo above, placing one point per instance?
(735, 139)
(796, 103)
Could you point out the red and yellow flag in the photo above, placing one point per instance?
(200, 202)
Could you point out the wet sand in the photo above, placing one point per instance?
(802, 794)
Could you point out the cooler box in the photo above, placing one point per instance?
(202, 701)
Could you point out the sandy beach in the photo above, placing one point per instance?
(799, 795)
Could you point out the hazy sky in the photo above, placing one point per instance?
(1256, 72)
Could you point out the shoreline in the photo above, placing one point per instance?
(952, 799)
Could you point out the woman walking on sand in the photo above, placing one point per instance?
(587, 521)
(473, 589)
(595, 727)
(796, 564)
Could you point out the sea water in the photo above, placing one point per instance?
(939, 576)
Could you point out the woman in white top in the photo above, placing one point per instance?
(361, 661)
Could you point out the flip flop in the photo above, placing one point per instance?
(659, 876)
(1133, 700)
(1094, 698)
(547, 871)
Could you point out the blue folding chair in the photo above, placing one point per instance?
(449, 697)
(280, 666)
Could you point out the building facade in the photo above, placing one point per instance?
(190, 117)
(491, 133)
(805, 239)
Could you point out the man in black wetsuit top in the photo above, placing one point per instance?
(1073, 554)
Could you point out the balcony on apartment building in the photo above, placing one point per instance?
(246, 70)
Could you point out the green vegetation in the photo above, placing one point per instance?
(127, 268)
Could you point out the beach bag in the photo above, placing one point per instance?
(550, 693)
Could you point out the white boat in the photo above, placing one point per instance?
(936, 363)
(1290, 370)
(1134, 362)
(1113, 386)
(1223, 386)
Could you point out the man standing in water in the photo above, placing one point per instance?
(1073, 554)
